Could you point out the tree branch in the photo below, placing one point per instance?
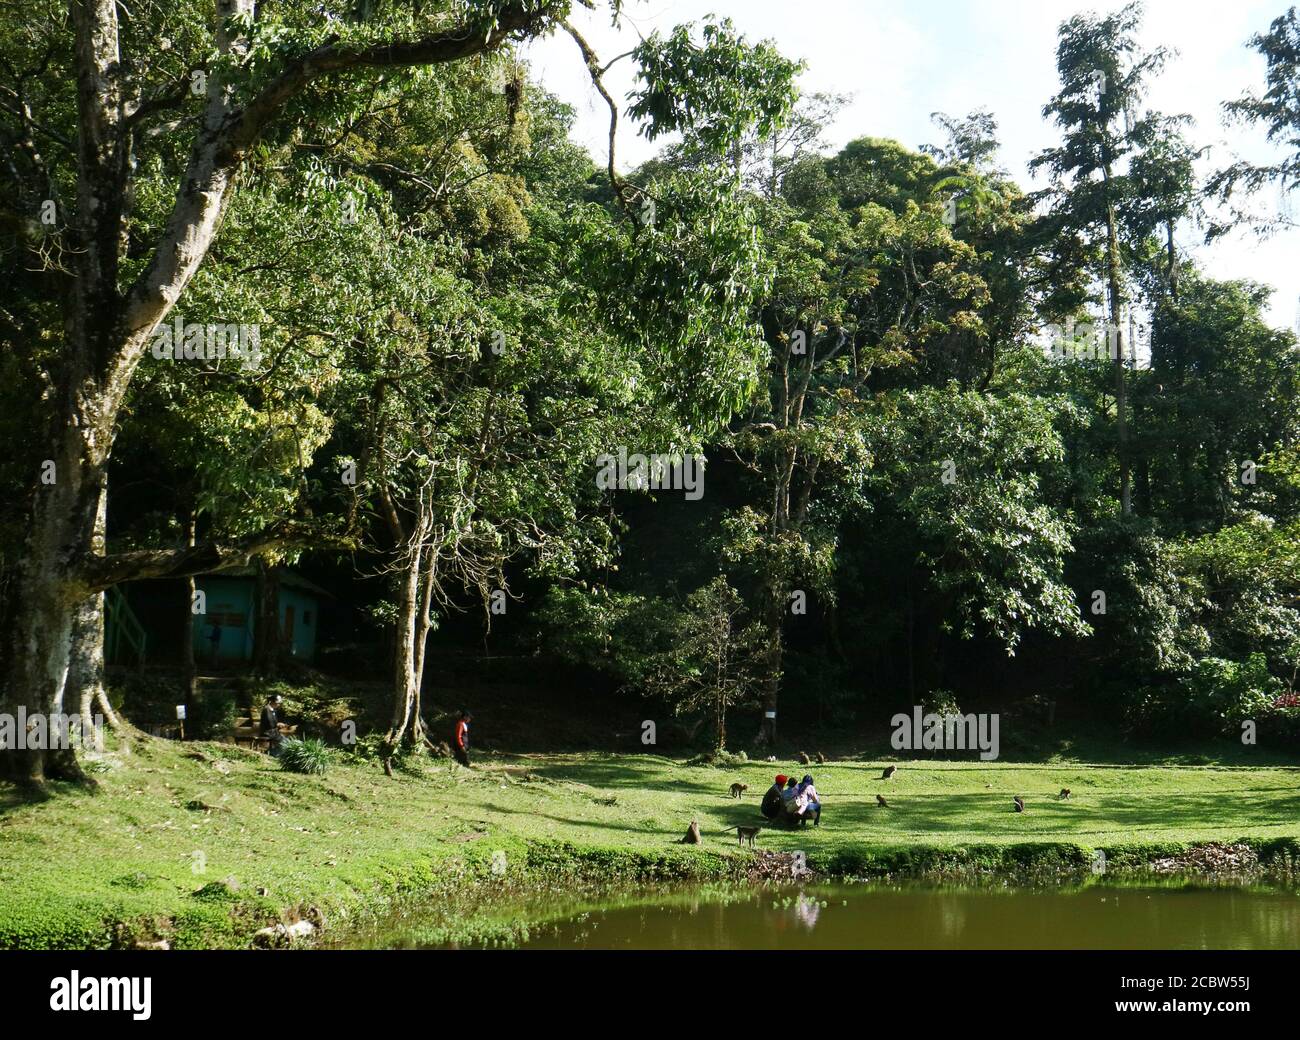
(103, 572)
(626, 192)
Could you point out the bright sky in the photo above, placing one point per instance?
(903, 59)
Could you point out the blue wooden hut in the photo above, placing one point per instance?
(136, 623)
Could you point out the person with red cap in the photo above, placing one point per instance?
(771, 806)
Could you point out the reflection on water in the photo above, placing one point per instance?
(806, 910)
(924, 917)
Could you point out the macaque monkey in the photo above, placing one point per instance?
(1019, 803)
(889, 771)
(692, 835)
(821, 759)
(804, 759)
(881, 803)
(738, 789)
(514, 93)
(1064, 796)
(747, 834)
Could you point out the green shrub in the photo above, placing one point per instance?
(940, 702)
(1216, 697)
(1231, 690)
(720, 759)
(370, 748)
(304, 756)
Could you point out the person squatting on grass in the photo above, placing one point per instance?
(807, 802)
(771, 806)
(796, 803)
(460, 745)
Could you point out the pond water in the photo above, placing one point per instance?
(914, 916)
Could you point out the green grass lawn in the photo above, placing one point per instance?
(173, 818)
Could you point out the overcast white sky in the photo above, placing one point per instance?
(904, 59)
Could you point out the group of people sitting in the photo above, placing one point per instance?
(796, 801)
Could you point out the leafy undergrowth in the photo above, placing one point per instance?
(201, 844)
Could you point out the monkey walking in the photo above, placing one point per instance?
(1064, 796)
(738, 789)
(1019, 803)
(744, 834)
(889, 771)
(881, 803)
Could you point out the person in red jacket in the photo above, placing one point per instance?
(460, 743)
(771, 806)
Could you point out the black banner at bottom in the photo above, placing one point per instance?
(765, 989)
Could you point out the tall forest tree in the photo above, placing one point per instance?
(1277, 111)
(1104, 74)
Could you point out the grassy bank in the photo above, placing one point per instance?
(201, 844)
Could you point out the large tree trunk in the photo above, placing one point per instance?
(103, 347)
(86, 667)
(62, 526)
(86, 676)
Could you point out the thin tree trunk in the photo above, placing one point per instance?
(189, 670)
(911, 640)
(405, 724)
(720, 705)
(773, 624)
(1121, 391)
(423, 627)
(266, 622)
(1173, 261)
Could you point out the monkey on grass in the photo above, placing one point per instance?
(881, 803)
(889, 771)
(1064, 796)
(1019, 803)
(744, 834)
(738, 789)
(804, 759)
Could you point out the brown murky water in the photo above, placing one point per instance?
(922, 917)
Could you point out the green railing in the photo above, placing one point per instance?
(123, 632)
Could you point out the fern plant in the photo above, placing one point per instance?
(304, 756)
